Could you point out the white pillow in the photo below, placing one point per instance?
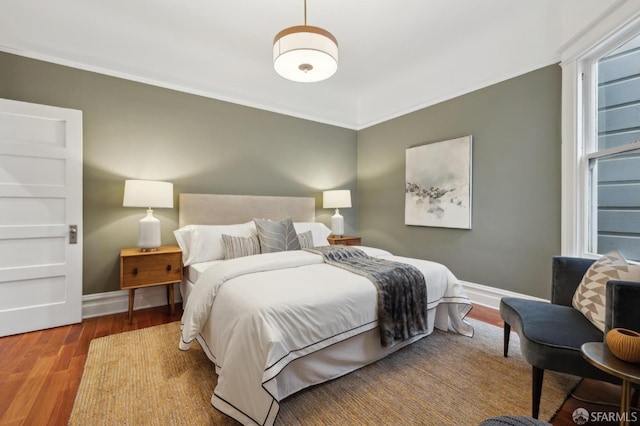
(319, 231)
(203, 243)
(375, 252)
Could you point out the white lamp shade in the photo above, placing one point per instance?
(148, 193)
(305, 54)
(336, 199)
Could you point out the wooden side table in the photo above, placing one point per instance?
(599, 355)
(150, 268)
(344, 240)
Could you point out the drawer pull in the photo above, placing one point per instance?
(168, 268)
(135, 271)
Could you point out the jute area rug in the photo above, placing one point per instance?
(141, 378)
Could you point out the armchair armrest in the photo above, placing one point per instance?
(566, 274)
(623, 301)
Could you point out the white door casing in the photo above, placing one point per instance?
(40, 197)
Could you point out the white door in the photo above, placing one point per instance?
(40, 198)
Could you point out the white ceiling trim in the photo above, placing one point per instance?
(621, 15)
(284, 111)
(430, 52)
(176, 87)
(464, 91)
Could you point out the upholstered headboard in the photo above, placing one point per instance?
(215, 209)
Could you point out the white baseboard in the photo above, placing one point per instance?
(113, 302)
(490, 296)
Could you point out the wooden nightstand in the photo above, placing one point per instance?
(345, 240)
(149, 268)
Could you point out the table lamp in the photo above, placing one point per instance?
(148, 193)
(337, 199)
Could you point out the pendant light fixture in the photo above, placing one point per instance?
(304, 53)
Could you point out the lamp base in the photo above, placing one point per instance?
(337, 224)
(149, 232)
(144, 250)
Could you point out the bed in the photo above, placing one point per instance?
(276, 323)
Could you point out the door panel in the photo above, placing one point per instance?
(40, 196)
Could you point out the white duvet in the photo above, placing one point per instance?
(262, 312)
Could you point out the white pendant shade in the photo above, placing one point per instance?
(305, 54)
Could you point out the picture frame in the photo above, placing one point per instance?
(438, 184)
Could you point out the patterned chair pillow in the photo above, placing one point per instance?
(590, 295)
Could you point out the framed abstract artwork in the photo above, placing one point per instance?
(438, 184)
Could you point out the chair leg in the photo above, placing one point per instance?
(536, 390)
(507, 334)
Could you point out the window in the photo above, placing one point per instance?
(611, 154)
(600, 198)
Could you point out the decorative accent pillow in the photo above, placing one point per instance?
(240, 246)
(306, 240)
(319, 230)
(590, 295)
(203, 243)
(277, 236)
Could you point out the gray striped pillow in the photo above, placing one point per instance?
(306, 240)
(240, 246)
(277, 236)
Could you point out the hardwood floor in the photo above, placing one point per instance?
(40, 371)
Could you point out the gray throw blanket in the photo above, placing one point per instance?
(401, 288)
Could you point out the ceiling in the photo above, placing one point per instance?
(395, 56)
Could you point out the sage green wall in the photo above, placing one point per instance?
(516, 183)
(134, 130)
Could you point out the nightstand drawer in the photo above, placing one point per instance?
(345, 240)
(155, 269)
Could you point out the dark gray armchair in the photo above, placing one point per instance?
(551, 333)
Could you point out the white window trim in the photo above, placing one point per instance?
(613, 151)
(578, 55)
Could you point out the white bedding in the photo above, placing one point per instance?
(255, 315)
(193, 271)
